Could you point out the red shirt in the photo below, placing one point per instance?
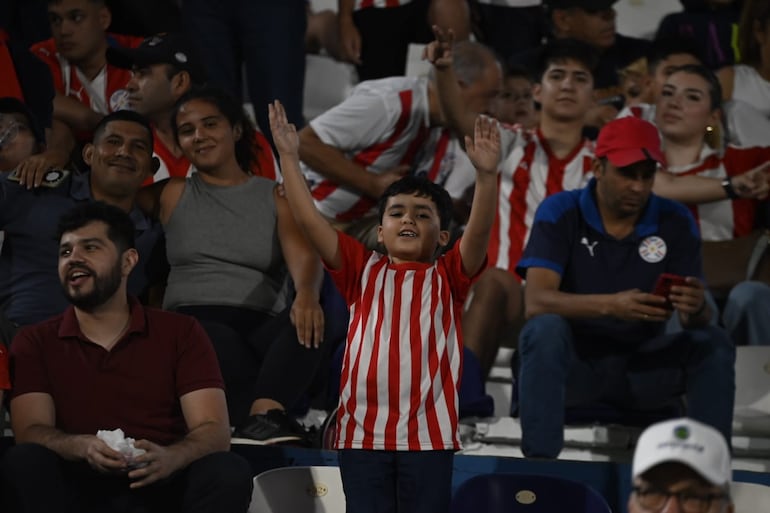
(68, 81)
(5, 381)
(135, 386)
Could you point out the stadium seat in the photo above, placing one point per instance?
(513, 493)
(298, 490)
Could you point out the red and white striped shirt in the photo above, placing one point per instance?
(105, 93)
(726, 219)
(383, 124)
(180, 167)
(529, 173)
(402, 363)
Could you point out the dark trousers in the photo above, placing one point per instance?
(268, 36)
(385, 37)
(37, 480)
(260, 356)
(396, 481)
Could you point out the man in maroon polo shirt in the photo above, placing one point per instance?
(107, 363)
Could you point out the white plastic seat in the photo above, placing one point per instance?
(750, 496)
(298, 490)
(752, 391)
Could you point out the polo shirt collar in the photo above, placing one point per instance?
(646, 225)
(69, 327)
(81, 191)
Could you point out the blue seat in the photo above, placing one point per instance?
(513, 493)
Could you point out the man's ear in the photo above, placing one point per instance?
(88, 153)
(130, 259)
(537, 91)
(180, 84)
(562, 21)
(105, 17)
(597, 168)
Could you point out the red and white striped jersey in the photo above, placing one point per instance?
(180, 167)
(383, 124)
(402, 363)
(726, 219)
(529, 172)
(380, 4)
(105, 93)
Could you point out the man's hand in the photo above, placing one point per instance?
(102, 458)
(381, 181)
(754, 183)
(439, 51)
(484, 148)
(284, 133)
(350, 40)
(32, 170)
(635, 305)
(690, 298)
(156, 464)
(308, 318)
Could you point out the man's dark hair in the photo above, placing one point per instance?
(666, 46)
(714, 86)
(560, 50)
(120, 227)
(246, 149)
(420, 186)
(123, 115)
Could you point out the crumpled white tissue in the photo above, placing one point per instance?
(116, 440)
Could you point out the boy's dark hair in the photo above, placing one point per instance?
(420, 186)
(123, 115)
(246, 149)
(666, 46)
(120, 227)
(714, 86)
(560, 50)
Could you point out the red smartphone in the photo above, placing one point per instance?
(663, 286)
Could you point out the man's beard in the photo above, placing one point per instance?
(104, 287)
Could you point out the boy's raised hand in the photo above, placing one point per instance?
(484, 148)
(284, 133)
(439, 51)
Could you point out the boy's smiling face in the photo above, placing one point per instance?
(410, 229)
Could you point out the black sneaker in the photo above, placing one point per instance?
(273, 427)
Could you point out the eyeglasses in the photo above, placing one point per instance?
(9, 133)
(653, 499)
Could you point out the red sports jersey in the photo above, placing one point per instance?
(529, 172)
(180, 167)
(106, 93)
(726, 219)
(402, 362)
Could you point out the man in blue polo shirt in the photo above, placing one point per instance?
(120, 159)
(595, 332)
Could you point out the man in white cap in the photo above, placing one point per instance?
(681, 465)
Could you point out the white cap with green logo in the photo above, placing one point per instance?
(686, 441)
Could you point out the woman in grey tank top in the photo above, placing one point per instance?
(231, 239)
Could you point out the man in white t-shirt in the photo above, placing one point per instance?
(386, 129)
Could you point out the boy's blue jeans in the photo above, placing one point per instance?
(699, 363)
(396, 481)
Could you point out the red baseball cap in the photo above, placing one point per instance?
(628, 140)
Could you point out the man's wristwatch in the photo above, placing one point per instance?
(727, 185)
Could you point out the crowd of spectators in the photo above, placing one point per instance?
(621, 159)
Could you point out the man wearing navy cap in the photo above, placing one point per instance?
(595, 331)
